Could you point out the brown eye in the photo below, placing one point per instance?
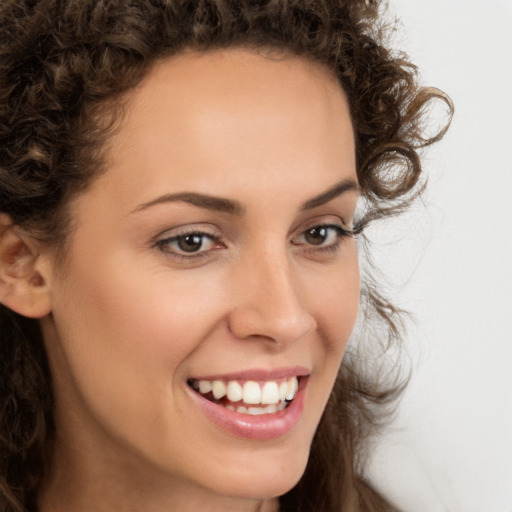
(317, 235)
(190, 243)
(322, 237)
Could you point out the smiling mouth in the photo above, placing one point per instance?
(248, 397)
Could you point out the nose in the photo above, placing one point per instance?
(267, 304)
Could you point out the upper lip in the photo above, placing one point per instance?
(259, 374)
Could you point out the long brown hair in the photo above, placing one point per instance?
(63, 64)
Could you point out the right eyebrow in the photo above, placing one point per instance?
(208, 202)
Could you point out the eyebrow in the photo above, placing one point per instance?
(233, 207)
(200, 200)
(337, 190)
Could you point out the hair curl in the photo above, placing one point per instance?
(63, 64)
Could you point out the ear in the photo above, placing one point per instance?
(23, 287)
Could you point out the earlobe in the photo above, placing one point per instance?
(23, 288)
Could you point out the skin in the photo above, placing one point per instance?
(131, 320)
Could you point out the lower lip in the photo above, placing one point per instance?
(262, 427)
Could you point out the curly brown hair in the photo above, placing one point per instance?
(63, 64)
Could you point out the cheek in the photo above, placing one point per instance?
(135, 329)
(337, 304)
(124, 334)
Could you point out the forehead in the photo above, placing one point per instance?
(225, 118)
(236, 73)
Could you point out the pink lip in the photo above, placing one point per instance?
(263, 427)
(259, 374)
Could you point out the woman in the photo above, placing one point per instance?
(179, 270)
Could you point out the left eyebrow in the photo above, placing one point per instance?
(337, 190)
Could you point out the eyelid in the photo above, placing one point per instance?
(325, 220)
(188, 229)
(340, 230)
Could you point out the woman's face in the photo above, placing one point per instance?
(214, 253)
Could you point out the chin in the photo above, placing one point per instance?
(260, 479)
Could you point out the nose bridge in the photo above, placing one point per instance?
(268, 304)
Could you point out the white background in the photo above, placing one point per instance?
(450, 448)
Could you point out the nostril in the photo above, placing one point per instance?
(267, 324)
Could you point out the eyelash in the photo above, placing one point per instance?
(341, 233)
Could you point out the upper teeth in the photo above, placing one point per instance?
(251, 392)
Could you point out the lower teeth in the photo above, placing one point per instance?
(256, 411)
